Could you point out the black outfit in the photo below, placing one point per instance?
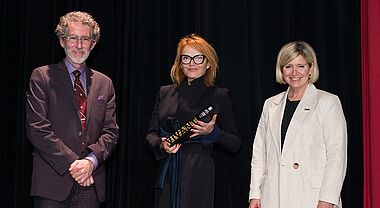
(290, 108)
(196, 170)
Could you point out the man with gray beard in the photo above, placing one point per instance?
(71, 121)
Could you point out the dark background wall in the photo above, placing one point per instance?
(136, 49)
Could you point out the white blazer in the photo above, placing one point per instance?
(312, 165)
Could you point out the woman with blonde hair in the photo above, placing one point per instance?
(299, 154)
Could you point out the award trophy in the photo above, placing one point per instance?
(179, 136)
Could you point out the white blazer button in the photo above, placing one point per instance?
(296, 165)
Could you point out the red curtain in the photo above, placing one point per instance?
(370, 42)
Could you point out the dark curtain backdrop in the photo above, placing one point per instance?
(136, 49)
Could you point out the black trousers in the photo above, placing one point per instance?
(79, 197)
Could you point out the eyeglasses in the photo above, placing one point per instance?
(73, 39)
(299, 67)
(198, 59)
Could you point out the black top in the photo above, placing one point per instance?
(188, 94)
(290, 107)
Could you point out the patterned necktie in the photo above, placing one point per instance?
(80, 96)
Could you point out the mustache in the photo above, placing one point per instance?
(79, 50)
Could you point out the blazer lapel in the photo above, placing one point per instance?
(170, 104)
(276, 111)
(66, 82)
(304, 108)
(91, 83)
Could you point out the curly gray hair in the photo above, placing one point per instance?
(76, 16)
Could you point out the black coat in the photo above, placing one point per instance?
(197, 169)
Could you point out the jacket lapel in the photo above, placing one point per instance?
(91, 83)
(276, 111)
(169, 105)
(303, 111)
(66, 82)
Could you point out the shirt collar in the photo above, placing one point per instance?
(71, 68)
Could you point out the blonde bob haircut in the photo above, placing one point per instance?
(204, 48)
(81, 17)
(289, 52)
